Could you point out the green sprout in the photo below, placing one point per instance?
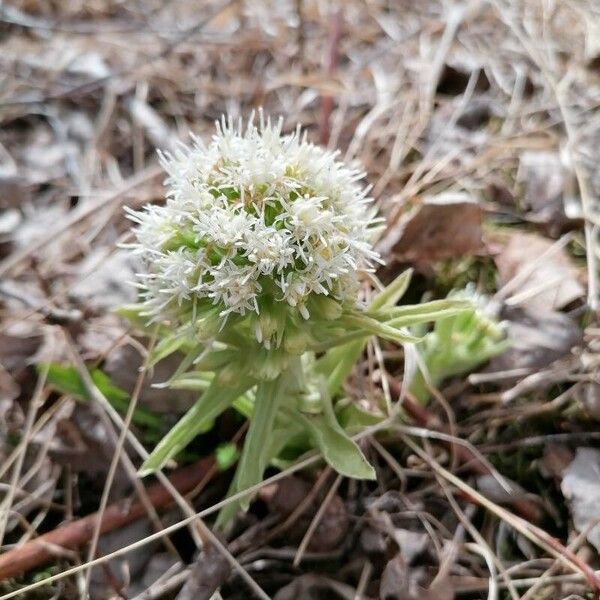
(458, 344)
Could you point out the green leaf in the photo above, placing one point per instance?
(374, 327)
(132, 312)
(337, 363)
(197, 381)
(66, 379)
(209, 406)
(167, 346)
(456, 345)
(354, 418)
(341, 452)
(424, 308)
(256, 453)
(392, 293)
(337, 448)
(226, 455)
(343, 358)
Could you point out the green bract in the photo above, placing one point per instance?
(251, 270)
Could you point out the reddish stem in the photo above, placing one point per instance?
(335, 28)
(72, 535)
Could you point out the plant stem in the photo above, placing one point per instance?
(258, 451)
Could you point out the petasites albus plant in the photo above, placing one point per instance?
(252, 269)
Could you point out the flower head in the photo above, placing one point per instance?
(254, 221)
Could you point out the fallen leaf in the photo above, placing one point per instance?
(332, 527)
(373, 542)
(284, 496)
(544, 180)
(160, 564)
(441, 227)
(16, 350)
(76, 437)
(537, 337)
(581, 487)
(546, 278)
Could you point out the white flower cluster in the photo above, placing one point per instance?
(252, 218)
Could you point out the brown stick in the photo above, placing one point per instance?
(72, 535)
(526, 508)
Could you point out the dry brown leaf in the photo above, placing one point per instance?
(444, 226)
(285, 496)
(545, 281)
(16, 350)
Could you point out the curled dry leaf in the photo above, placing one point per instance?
(581, 486)
(441, 227)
